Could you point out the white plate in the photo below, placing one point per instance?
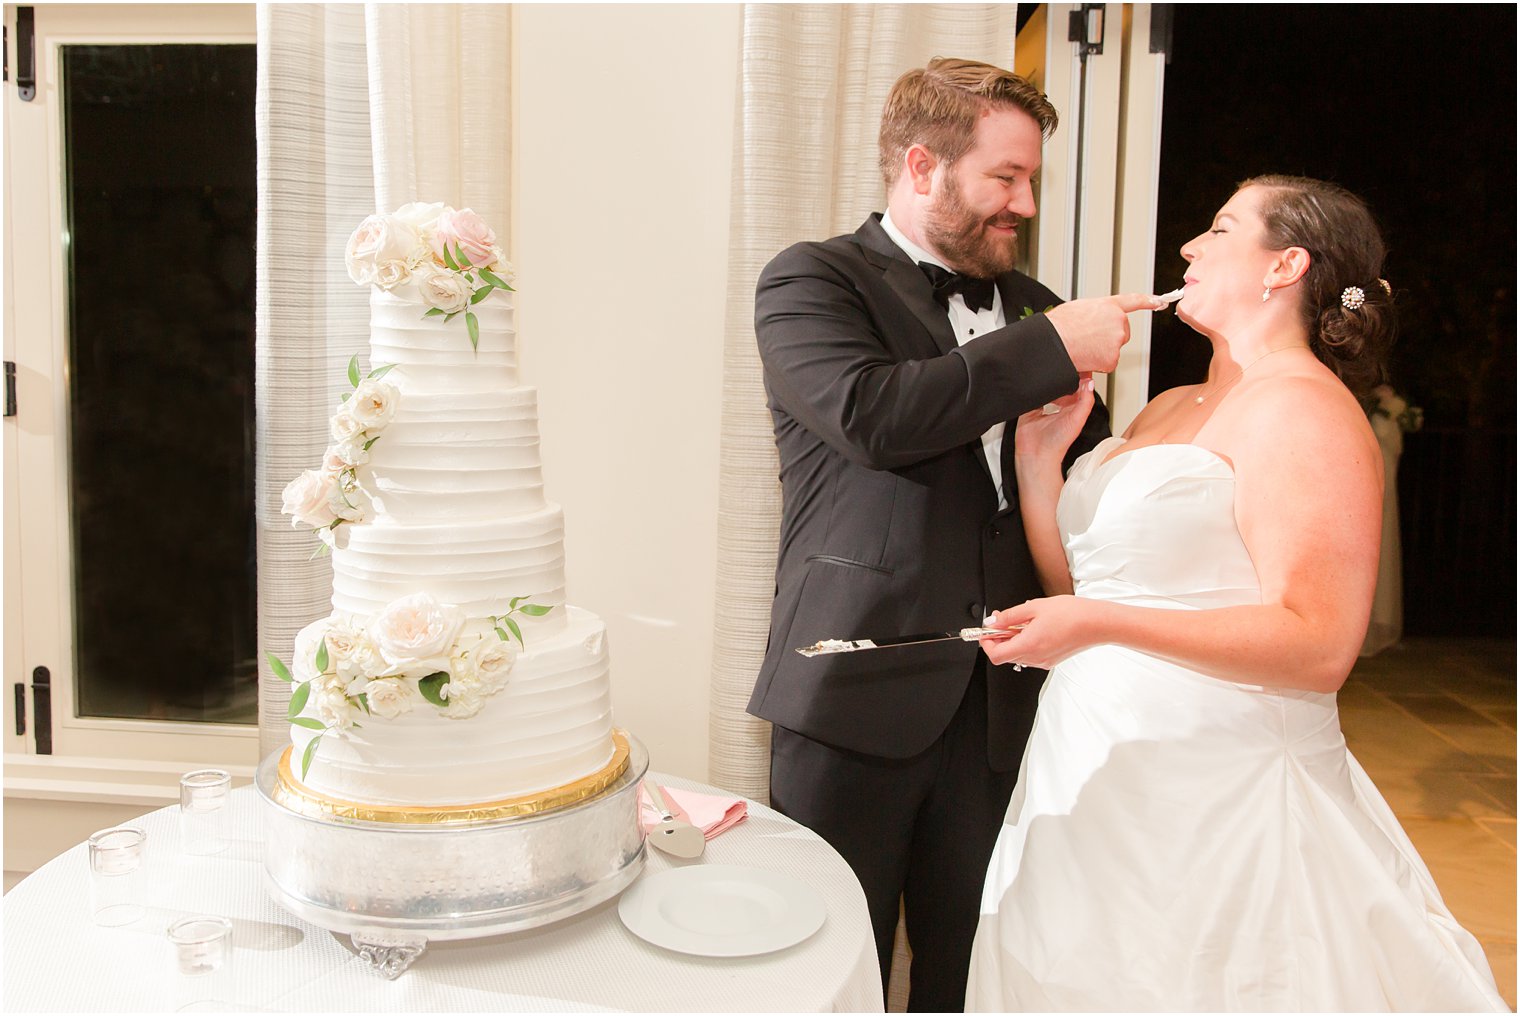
(721, 910)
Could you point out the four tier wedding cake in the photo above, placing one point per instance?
(451, 671)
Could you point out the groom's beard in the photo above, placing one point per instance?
(959, 234)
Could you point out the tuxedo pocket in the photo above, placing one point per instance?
(845, 562)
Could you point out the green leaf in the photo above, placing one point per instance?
(512, 626)
(353, 371)
(336, 523)
(495, 280)
(435, 312)
(535, 609)
(501, 634)
(371, 441)
(308, 723)
(464, 262)
(322, 656)
(430, 685)
(343, 397)
(380, 372)
(311, 750)
(298, 699)
(469, 319)
(449, 317)
(363, 701)
(448, 260)
(515, 601)
(480, 294)
(280, 670)
(321, 551)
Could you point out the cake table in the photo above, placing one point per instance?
(56, 960)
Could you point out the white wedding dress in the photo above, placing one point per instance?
(1182, 842)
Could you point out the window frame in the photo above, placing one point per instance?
(93, 758)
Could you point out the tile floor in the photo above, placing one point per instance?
(1433, 723)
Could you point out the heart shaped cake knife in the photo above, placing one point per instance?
(675, 836)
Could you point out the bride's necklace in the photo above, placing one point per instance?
(1199, 400)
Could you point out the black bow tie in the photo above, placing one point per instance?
(976, 292)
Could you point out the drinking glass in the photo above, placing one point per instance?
(200, 962)
(203, 811)
(116, 875)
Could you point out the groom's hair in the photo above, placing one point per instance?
(937, 106)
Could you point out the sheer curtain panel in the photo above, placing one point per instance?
(813, 81)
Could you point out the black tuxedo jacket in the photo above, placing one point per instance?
(890, 522)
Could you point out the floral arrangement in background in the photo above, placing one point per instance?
(1386, 402)
(329, 496)
(451, 256)
(413, 651)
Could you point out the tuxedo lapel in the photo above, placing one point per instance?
(907, 281)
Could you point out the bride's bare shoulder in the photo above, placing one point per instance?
(1294, 420)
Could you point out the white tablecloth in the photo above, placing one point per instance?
(56, 959)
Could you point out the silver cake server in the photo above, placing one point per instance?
(825, 646)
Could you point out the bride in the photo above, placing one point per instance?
(1189, 831)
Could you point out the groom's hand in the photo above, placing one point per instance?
(1095, 329)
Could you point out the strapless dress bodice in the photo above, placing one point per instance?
(1155, 526)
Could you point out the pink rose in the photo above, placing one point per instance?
(306, 499)
(465, 231)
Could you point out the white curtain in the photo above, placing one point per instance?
(813, 79)
(360, 108)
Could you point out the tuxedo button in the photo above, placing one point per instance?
(976, 612)
(996, 532)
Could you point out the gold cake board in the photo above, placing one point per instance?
(301, 799)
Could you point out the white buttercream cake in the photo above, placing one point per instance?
(451, 670)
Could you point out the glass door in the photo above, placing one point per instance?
(129, 469)
(1095, 231)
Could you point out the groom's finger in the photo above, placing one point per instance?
(1131, 302)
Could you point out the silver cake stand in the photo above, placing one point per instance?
(392, 888)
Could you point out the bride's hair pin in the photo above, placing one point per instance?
(1353, 297)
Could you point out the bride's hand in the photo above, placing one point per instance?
(1040, 434)
(1053, 629)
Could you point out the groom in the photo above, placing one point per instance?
(895, 361)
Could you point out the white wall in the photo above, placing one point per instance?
(623, 142)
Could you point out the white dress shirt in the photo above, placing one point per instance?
(967, 324)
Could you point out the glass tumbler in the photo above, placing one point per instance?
(116, 875)
(200, 962)
(203, 811)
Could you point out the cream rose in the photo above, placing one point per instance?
(464, 232)
(464, 698)
(444, 290)
(502, 268)
(415, 628)
(390, 274)
(419, 215)
(344, 425)
(493, 662)
(306, 500)
(348, 452)
(390, 697)
(372, 404)
(346, 500)
(379, 240)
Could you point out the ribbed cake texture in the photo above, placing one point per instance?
(440, 678)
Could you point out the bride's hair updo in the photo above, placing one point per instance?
(1345, 251)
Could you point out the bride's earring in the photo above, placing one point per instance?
(1266, 293)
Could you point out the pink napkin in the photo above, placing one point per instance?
(708, 813)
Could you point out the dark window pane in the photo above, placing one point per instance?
(160, 194)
